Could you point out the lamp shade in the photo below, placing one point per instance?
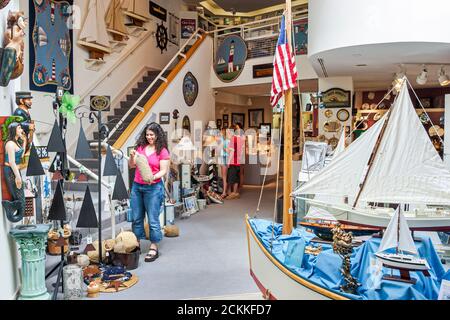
(110, 169)
(56, 143)
(120, 190)
(34, 164)
(58, 207)
(88, 217)
(83, 150)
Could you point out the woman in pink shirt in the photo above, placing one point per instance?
(149, 197)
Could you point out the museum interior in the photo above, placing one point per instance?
(225, 150)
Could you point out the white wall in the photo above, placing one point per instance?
(345, 83)
(335, 24)
(7, 96)
(8, 248)
(204, 107)
(146, 56)
(304, 68)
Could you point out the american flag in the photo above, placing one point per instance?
(284, 69)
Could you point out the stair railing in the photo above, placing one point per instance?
(196, 34)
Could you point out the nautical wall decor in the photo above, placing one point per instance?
(51, 45)
(174, 26)
(162, 37)
(158, 11)
(230, 58)
(3, 3)
(301, 36)
(190, 89)
(336, 98)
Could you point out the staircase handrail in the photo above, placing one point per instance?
(158, 77)
(117, 63)
(88, 172)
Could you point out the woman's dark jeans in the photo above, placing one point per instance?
(147, 198)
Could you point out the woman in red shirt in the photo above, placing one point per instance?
(148, 197)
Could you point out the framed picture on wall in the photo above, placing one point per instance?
(164, 118)
(238, 118)
(225, 117)
(255, 117)
(265, 128)
(225, 124)
(219, 123)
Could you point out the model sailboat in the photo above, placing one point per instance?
(319, 219)
(115, 20)
(137, 10)
(93, 35)
(393, 162)
(398, 236)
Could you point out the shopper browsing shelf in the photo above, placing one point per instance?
(147, 193)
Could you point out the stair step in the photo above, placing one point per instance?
(120, 112)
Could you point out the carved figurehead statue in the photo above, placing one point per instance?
(13, 44)
(24, 101)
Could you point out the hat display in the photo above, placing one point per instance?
(120, 190)
(88, 217)
(58, 208)
(55, 143)
(23, 95)
(110, 169)
(34, 164)
(83, 150)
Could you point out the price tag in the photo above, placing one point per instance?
(89, 239)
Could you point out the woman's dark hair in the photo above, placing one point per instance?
(161, 139)
(12, 131)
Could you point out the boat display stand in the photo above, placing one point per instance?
(404, 275)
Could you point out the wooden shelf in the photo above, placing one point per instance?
(429, 110)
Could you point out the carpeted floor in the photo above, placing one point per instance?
(208, 259)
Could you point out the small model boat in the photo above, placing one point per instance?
(137, 10)
(398, 236)
(93, 35)
(115, 21)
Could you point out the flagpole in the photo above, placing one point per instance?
(287, 163)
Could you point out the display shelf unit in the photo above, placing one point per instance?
(428, 110)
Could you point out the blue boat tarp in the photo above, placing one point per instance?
(324, 269)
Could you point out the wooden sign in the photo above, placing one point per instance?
(158, 11)
(263, 70)
(336, 98)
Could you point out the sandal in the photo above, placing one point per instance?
(151, 257)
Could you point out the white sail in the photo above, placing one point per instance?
(405, 242)
(397, 236)
(344, 174)
(407, 168)
(319, 213)
(341, 145)
(94, 28)
(114, 17)
(139, 8)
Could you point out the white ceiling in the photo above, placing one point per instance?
(383, 61)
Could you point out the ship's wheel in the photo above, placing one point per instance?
(162, 37)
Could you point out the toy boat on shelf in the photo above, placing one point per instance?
(322, 228)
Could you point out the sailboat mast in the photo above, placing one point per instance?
(398, 229)
(372, 157)
(287, 163)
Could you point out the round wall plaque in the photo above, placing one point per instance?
(190, 89)
(230, 58)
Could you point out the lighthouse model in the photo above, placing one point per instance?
(231, 58)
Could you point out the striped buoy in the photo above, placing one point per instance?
(52, 13)
(53, 70)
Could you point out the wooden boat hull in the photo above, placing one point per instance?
(325, 231)
(275, 281)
